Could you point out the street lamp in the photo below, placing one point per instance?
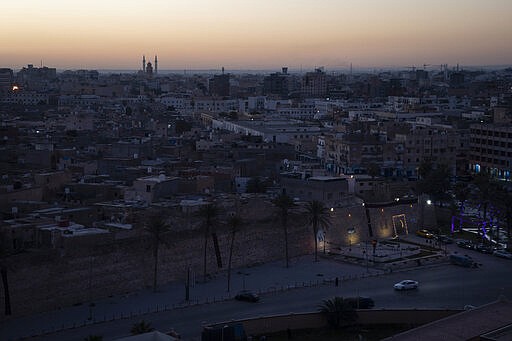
(350, 232)
(222, 336)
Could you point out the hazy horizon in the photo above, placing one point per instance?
(255, 35)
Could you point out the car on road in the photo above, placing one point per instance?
(466, 244)
(502, 254)
(247, 295)
(425, 234)
(463, 260)
(360, 302)
(444, 239)
(406, 284)
(484, 248)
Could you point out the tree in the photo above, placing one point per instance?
(3, 271)
(208, 213)
(462, 193)
(485, 190)
(255, 185)
(141, 328)
(318, 217)
(283, 202)
(157, 227)
(94, 338)
(338, 312)
(424, 169)
(373, 170)
(434, 182)
(235, 223)
(503, 202)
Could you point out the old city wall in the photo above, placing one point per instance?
(79, 273)
(349, 225)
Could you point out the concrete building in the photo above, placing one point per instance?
(329, 189)
(219, 85)
(152, 188)
(314, 84)
(491, 149)
(6, 81)
(277, 84)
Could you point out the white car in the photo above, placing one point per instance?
(406, 284)
(502, 254)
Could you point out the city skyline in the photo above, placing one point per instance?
(255, 35)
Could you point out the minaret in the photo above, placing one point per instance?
(144, 63)
(156, 65)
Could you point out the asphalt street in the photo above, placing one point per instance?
(441, 286)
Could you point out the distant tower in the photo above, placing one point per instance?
(156, 65)
(223, 70)
(149, 70)
(144, 63)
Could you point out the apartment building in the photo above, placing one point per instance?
(491, 149)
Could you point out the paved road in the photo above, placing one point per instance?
(445, 286)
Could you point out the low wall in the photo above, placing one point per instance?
(276, 323)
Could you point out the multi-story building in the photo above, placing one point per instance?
(491, 149)
(435, 144)
(219, 85)
(353, 153)
(314, 84)
(392, 153)
(6, 81)
(277, 84)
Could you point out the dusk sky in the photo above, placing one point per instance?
(255, 34)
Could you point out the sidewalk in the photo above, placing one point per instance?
(270, 277)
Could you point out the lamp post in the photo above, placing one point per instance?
(350, 232)
(243, 279)
(222, 336)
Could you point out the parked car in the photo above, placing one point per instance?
(444, 239)
(502, 254)
(360, 302)
(484, 248)
(466, 244)
(425, 234)
(406, 284)
(247, 295)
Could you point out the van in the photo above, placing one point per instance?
(465, 261)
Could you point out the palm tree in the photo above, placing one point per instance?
(283, 202)
(318, 216)
(338, 312)
(3, 271)
(94, 338)
(235, 222)
(141, 328)
(462, 193)
(485, 191)
(157, 227)
(485, 194)
(503, 202)
(208, 213)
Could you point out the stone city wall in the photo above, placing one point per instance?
(49, 279)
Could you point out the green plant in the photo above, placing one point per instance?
(338, 312)
(141, 328)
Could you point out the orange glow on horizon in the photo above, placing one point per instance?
(256, 34)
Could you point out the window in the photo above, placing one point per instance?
(148, 188)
